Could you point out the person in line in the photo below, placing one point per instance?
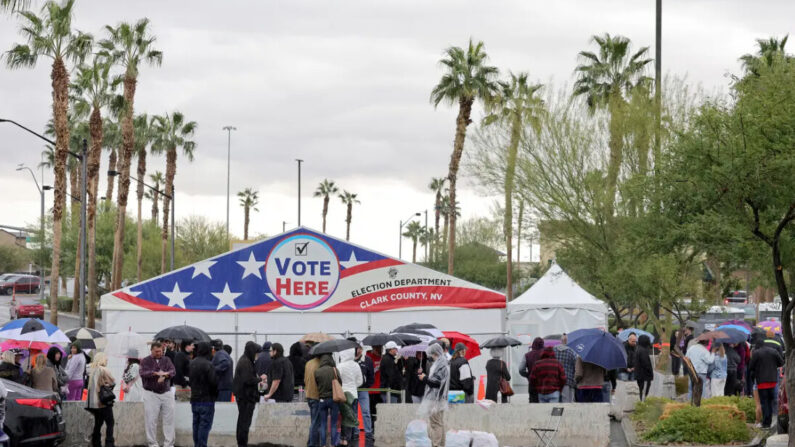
(224, 370)
(298, 363)
(10, 369)
(280, 376)
(182, 367)
(203, 392)
(548, 377)
(103, 412)
(701, 359)
(434, 402)
(75, 372)
(568, 360)
(496, 370)
(676, 362)
(351, 377)
(391, 373)
(685, 344)
(157, 371)
(526, 365)
(54, 356)
(228, 349)
(170, 349)
(312, 399)
(131, 381)
(630, 346)
(461, 378)
(732, 387)
(763, 371)
(375, 355)
(719, 371)
(43, 376)
(324, 376)
(590, 379)
(363, 397)
(644, 371)
(415, 366)
(263, 363)
(245, 387)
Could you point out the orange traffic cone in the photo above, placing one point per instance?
(121, 395)
(233, 398)
(85, 394)
(482, 388)
(361, 421)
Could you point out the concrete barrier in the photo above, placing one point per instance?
(583, 425)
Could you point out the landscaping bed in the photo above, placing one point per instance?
(719, 421)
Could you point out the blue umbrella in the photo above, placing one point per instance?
(734, 335)
(742, 329)
(624, 335)
(598, 347)
(32, 330)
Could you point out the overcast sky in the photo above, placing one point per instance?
(344, 85)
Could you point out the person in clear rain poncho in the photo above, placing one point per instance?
(434, 402)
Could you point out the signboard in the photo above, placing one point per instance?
(306, 271)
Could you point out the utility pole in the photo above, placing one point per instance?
(658, 83)
(229, 130)
(427, 239)
(299, 189)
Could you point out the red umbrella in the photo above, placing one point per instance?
(473, 348)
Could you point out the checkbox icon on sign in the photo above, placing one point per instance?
(302, 249)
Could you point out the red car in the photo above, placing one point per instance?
(27, 307)
(21, 283)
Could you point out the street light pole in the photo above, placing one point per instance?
(400, 233)
(299, 189)
(427, 239)
(41, 189)
(229, 130)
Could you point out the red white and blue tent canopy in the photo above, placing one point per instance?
(305, 271)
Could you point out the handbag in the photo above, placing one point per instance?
(505, 386)
(106, 396)
(336, 390)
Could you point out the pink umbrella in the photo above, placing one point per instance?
(550, 343)
(774, 326)
(18, 344)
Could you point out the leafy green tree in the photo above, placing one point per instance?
(467, 79)
(128, 46)
(606, 79)
(248, 200)
(199, 239)
(50, 34)
(516, 106)
(12, 258)
(326, 189)
(769, 50)
(348, 199)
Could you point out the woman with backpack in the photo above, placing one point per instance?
(100, 400)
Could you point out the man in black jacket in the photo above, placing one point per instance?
(204, 389)
(224, 369)
(182, 363)
(363, 401)
(763, 370)
(391, 373)
(245, 387)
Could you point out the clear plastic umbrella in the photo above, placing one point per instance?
(121, 347)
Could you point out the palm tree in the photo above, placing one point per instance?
(128, 45)
(437, 186)
(349, 199)
(467, 78)
(516, 105)
(50, 34)
(143, 136)
(157, 180)
(427, 238)
(111, 140)
(606, 80)
(171, 132)
(14, 5)
(447, 211)
(414, 231)
(325, 189)
(769, 50)
(248, 200)
(92, 91)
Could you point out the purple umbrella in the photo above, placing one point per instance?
(774, 326)
(550, 343)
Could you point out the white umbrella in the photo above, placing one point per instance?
(126, 344)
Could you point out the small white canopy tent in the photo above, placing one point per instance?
(553, 305)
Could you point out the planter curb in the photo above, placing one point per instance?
(632, 437)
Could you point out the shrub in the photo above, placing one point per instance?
(681, 383)
(64, 304)
(718, 424)
(744, 404)
(648, 412)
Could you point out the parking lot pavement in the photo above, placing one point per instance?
(65, 321)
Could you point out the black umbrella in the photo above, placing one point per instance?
(380, 339)
(415, 329)
(327, 347)
(183, 332)
(500, 342)
(405, 339)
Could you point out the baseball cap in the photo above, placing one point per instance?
(390, 345)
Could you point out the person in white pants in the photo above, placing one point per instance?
(156, 372)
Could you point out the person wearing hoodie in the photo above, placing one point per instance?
(244, 386)
(298, 361)
(461, 378)
(363, 401)
(203, 392)
(391, 373)
(548, 377)
(224, 371)
(280, 376)
(75, 371)
(527, 363)
(324, 376)
(54, 356)
(351, 377)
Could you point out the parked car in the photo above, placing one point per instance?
(26, 307)
(20, 283)
(736, 297)
(33, 417)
